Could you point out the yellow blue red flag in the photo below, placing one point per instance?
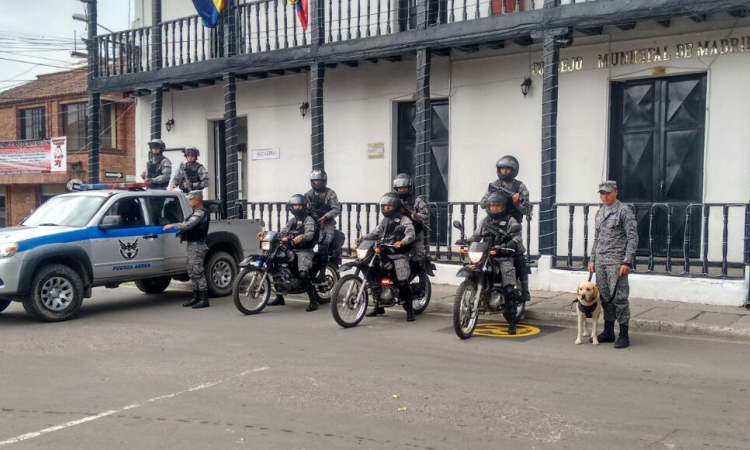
(300, 6)
(209, 10)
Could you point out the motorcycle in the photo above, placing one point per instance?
(276, 270)
(374, 276)
(480, 293)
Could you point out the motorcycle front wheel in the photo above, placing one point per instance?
(324, 289)
(346, 310)
(421, 288)
(250, 295)
(464, 314)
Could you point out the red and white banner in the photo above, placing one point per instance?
(39, 156)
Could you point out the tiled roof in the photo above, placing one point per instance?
(47, 86)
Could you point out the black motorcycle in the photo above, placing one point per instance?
(351, 293)
(276, 270)
(482, 292)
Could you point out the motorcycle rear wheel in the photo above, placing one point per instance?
(324, 289)
(347, 312)
(249, 295)
(423, 284)
(520, 309)
(464, 314)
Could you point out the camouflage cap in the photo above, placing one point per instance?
(608, 186)
(195, 194)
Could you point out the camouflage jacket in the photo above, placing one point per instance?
(615, 235)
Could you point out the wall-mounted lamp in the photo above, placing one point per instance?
(525, 86)
(303, 109)
(169, 124)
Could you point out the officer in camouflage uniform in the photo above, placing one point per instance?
(194, 230)
(418, 212)
(507, 171)
(500, 219)
(191, 175)
(158, 168)
(325, 205)
(390, 207)
(612, 255)
(304, 232)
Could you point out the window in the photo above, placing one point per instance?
(75, 125)
(166, 210)
(130, 211)
(32, 123)
(2, 211)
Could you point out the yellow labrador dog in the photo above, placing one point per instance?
(589, 306)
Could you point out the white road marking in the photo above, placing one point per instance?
(125, 408)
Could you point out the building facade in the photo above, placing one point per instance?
(648, 93)
(54, 105)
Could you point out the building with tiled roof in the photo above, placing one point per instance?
(54, 105)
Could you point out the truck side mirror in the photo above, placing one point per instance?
(110, 222)
(457, 224)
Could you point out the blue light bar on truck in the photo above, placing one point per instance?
(109, 186)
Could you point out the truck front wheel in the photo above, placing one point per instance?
(56, 294)
(221, 269)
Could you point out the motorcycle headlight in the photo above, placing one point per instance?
(265, 246)
(8, 249)
(475, 257)
(361, 253)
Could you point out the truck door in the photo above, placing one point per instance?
(133, 248)
(166, 210)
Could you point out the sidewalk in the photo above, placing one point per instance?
(646, 315)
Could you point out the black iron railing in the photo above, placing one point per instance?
(442, 235)
(686, 239)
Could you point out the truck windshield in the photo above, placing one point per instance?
(65, 211)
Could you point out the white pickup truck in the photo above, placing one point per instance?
(77, 241)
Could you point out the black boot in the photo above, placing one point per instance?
(376, 311)
(313, 305)
(196, 298)
(405, 293)
(623, 340)
(510, 298)
(608, 335)
(203, 303)
(279, 301)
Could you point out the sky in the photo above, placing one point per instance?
(37, 36)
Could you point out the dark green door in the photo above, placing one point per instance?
(656, 156)
(438, 169)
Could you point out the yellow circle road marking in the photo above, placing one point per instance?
(500, 329)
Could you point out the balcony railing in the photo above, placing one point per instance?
(680, 239)
(269, 25)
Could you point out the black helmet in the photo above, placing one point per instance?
(191, 151)
(496, 198)
(318, 174)
(507, 161)
(156, 143)
(403, 180)
(297, 199)
(390, 199)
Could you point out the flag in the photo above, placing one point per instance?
(301, 7)
(209, 10)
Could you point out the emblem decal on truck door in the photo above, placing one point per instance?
(129, 250)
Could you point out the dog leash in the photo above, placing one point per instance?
(614, 291)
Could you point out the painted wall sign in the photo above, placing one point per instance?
(266, 153)
(375, 150)
(687, 50)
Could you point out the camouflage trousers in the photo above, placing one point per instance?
(304, 260)
(196, 256)
(507, 271)
(401, 267)
(418, 250)
(617, 309)
(326, 233)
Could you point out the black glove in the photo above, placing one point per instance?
(512, 245)
(461, 242)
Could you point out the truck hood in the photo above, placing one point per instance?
(18, 234)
